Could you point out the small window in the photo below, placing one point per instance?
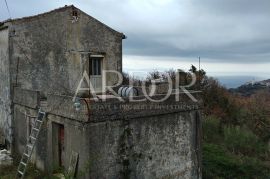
(74, 13)
(74, 16)
(95, 68)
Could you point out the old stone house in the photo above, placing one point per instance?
(42, 59)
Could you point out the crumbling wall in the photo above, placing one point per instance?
(5, 101)
(26, 104)
(121, 142)
(161, 146)
(48, 50)
(38, 53)
(146, 139)
(88, 34)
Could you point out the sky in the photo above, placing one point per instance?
(231, 36)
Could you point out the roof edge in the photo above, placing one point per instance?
(111, 29)
(59, 9)
(41, 14)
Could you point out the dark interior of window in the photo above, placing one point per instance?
(95, 65)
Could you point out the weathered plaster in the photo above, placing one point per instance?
(5, 99)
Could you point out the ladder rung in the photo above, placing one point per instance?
(33, 137)
(20, 172)
(23, 163)
(26, 155)
(30, 146)
(42, 112)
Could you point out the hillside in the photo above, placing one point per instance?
(251, 88)
(236, 131)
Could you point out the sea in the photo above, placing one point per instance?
(236, 81)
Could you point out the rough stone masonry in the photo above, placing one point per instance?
(42, 58)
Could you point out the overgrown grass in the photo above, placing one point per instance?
(10, 172)
(242, 141)
(233, 152)
(211, 130)
(219, 163)
(7, 172)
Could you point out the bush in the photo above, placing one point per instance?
(242, 141)
(211, 130)
(218, 163)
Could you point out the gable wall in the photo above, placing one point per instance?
(5, 102)
(49, 48)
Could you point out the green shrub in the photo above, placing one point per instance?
(242, 141)
(218, 163)
(211, 130)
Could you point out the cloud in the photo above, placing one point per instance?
(234, 7)
(231, 31)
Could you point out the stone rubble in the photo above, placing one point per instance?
(5, 157)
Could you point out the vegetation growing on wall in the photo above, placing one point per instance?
(126, 151)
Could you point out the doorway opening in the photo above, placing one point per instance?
(58, 145)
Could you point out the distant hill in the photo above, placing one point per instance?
(252, 87)
(234, 81)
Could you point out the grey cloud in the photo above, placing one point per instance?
(219, 30)
(234, 6)
(241, 52)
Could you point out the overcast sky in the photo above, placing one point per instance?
(231, 36)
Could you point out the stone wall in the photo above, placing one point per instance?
(5, 101)
(160, 146)
(126, 142)
(49, 50)
(46, 53)
(116, 143)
